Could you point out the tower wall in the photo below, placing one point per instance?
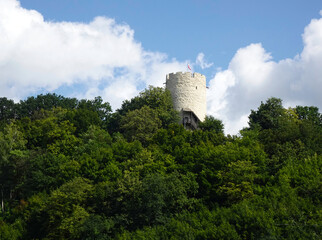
(188, 91)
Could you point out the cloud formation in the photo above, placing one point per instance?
(252, 76)
(200, 61)
(101, 56)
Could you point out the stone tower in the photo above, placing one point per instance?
(188, 91)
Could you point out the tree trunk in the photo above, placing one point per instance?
(2, 203)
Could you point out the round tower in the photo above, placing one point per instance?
(188, 91)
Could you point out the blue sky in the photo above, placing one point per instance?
(249, 50)
(183, 28)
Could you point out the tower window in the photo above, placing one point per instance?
(196, 87)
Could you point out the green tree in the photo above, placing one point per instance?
(310, 114)
(212, 124)
(268, 114)
(95, 155)
(28, 107)
(82, 119)
(7, 111)
(46, 171)
(310, 127)
(11, 231)
(97, 105)
(65, 209)
(12, 157)
(140, 124)
(156, 98)
(51, 131)
(237, 181)
(305, 175)
(97, 227)
(164, 196)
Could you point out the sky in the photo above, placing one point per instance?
(248, 50)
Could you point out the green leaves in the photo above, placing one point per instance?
(156, 102)
(70, 169)
(267, 115)
(64, 210)
(305, 175)
(212, 124)
(237, 181)
(12, 161)
(140, 124)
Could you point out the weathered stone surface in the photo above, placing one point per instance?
(188, 90)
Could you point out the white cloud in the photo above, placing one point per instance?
(39, 55)
(200, 61)
(253, 77)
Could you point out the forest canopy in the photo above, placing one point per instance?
(73, 169)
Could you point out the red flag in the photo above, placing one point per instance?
(189, 67)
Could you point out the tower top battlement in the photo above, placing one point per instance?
(186, 74)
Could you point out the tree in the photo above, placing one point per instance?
(165, 195)
(82, 119)
(155, 98)
(97, 105)
(310, 114)
(96, 227)
(11, 231)
(12, 153)
(46, 171)
(305, 175)
(310, 127)
(140, 124)
(237, 180)
(7, 110)
(268, 114)
(65, 210)
(51, 131)
(63, 176)
(212, 124)
(28, 107)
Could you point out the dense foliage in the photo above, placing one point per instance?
(72, 169)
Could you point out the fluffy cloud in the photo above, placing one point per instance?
(252, 76)
(200, 61)
(101, 56)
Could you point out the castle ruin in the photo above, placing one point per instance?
(188, 91)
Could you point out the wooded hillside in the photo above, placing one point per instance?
(72, 169)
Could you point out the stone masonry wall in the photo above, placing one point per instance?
(188, 90)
